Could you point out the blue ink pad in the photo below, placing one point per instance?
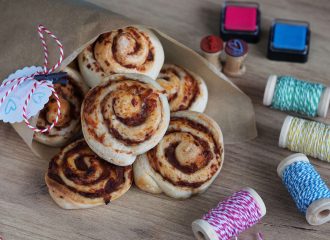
(289, 41)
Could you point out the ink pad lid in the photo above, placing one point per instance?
(240, 20)
(289, 41)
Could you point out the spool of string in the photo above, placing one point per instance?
(305, 136)
(287, 93)
(231, 217)
(306, 187)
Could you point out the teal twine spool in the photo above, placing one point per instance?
(297, 96)
(306, 187)
(287, 93)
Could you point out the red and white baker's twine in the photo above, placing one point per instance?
(46, 70)
(234, 215)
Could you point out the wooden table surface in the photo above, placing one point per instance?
(28, 212)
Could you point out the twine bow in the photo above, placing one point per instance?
(40, 78)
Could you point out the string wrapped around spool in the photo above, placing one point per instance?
(306, 187)
(305, 136)
(231, 217)
(287, 93)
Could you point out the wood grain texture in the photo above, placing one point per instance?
(28, 212)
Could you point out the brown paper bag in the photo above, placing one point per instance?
(77, 24)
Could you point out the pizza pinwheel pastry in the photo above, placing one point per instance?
(78, 178)
(185, 90)
(125, 116)
(71, 96)
(132, 49)
(186, 161)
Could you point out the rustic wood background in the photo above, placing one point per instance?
(28, 212)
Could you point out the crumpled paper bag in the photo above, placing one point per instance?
(77, 24)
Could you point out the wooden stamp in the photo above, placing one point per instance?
(236, 51)
(212, 47)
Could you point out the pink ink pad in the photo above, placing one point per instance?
(240, 20)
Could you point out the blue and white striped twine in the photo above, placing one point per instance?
(304, 184)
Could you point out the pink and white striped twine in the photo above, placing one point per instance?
(234, 215)
(46, 70)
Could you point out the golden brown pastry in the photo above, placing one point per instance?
(132, 49)
(125, 116)
(78, 178)
(185, 90)
(186, 161)
(68, 126)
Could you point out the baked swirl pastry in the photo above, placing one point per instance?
(71, 96)
(125, 116)
(78, 178)
(128, 50)
(186, 161)
(185, 90)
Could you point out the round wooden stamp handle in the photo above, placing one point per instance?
(214, 59)
(234, 66)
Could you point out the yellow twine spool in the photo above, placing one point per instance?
(308, 137)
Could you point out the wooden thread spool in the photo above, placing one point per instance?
(236, 51)
(323, 106)
(283, 140)
(212, 47)
(318, 212)
(305, 136)
(204, 230)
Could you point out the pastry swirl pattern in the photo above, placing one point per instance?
(186, 161)
(78, 178)
(71, 96)
(124, 117)
(185, 90)
(128, 50)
